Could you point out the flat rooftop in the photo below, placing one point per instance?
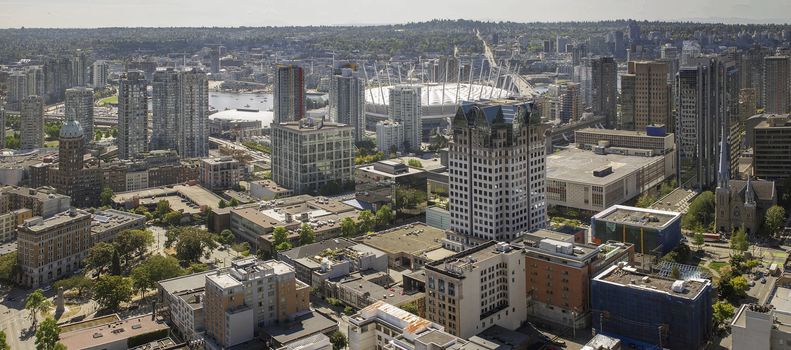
(185, 283)
(113, 332)
(781, 299)
(107, 219)
(301, 327)
(370, 169)
(634, 216)
(413, 239)
(305, 126)
(224, 280)
(621, 132)
(219, 160)
(179, 196)
(577, 166)
(54, 221)
(629, 277)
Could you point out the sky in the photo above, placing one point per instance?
(225, 13)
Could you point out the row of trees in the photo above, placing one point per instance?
(366, 222)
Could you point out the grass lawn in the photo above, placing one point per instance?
(112, 100)
(717, 265)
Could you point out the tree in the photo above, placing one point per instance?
(279, 236)
(306, 234)
(384, 216)
(338, 340)
(348, 228)
(133, 242)
(115, 268)
(47, 335)
(415, 163)
(739, 285)
(365, 221)
(722, 311)
(283, 246)
(700, 212)
(222, 204)
(78, 282)
(173, 217)
(100, 256)
(9, 267)
(227, 237)
(234, 202)
(97, 135)
(111, 291)
(192, 244)
(348, 310)
(3, 343)
(106, 196)
(163, 207)
(411, 308)
(739, 241)
(36, 302)
(698, 240)
(774, 219)
(645, 200)
(156, 268)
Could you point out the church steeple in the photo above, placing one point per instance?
(723, 174)
(749, 193)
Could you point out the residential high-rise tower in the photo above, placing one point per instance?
(132, 115)
(347, 101)
(31, 133)
(79, 107)
(289, 94)
(405, 108)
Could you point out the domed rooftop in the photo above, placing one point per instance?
(71, 129)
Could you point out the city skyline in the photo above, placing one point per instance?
(66, 14)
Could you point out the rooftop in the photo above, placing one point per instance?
(113, 332)
(392, 315)
(37, 224)
(781, 299)
(414, 239)
(576, 165)
(312, 125)
(223, 280)
(301, 327)
(629, 277)
(456, 264)
(185, 283)
(219, 160)
(634, 216)
(108, 219)
(312, 249)
(622, 132)
(41, 193)
(188, 197)
(362, 285)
